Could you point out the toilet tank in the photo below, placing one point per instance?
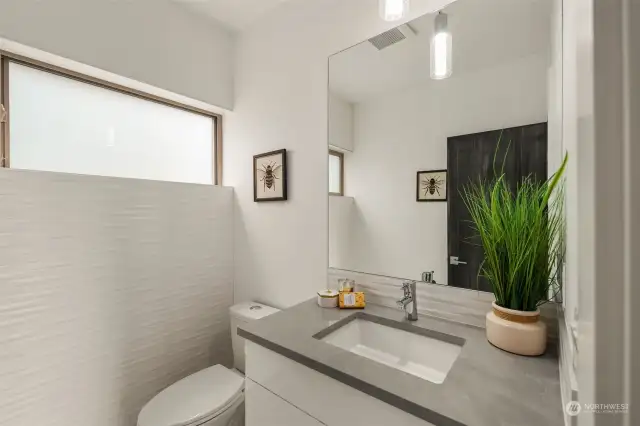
(242, 314)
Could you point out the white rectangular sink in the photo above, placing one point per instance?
(426, 357)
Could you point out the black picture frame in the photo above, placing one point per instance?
(283, 154)
(432, 200)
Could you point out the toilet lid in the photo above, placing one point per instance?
(200, 396)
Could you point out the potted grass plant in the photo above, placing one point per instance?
(522, 235)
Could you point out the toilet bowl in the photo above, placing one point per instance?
(213, 396)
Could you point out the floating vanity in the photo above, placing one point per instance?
(312, 366)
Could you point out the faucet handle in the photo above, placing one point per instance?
(408, 283)
(406, 287)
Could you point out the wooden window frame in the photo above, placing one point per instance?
(5, 147)
(340, 156)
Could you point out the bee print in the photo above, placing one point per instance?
(269, 174)
(432, 185)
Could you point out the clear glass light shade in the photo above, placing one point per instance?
(393, 10)
(441, 46)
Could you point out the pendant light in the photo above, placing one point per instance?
(441, 48)
(393, 10)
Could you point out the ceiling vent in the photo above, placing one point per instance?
(393, 36)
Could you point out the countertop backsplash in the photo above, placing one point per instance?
(455, 304)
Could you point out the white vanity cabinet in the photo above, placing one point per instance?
(267, 409)
(306, 397)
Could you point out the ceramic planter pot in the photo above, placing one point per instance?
(519, 332)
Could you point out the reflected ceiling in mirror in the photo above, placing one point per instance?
(399, 131)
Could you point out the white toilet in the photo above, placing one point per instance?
(213, 396)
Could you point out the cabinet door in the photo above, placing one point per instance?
(264, 408)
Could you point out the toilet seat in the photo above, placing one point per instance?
(195, 399)
(232, 405)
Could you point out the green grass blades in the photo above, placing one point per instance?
(522, 235)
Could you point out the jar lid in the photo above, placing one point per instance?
(328, 293)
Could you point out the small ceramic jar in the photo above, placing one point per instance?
(328, 299)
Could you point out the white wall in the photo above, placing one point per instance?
(632, 191)
(340, 123)
(607, 100)
(342, 217)
(153, 41)
(564, 44)
(399, 133)
(112, 289)
(281, 102)
(601, 109)
(562, 129)
(554, 89)
(578, 140)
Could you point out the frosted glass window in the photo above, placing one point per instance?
(335, 173)
(63, 125)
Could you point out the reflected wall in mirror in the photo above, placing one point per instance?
(391, 120)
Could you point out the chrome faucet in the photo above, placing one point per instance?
(410, 300)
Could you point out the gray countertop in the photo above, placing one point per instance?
(485, 387)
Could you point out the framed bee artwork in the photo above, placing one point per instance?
(431, 185)
(270, 176)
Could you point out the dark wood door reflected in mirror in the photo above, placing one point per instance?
(518, 152)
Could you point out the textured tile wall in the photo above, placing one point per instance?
(110, 290)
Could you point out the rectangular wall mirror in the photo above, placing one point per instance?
(402, 144)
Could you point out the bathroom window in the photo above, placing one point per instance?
(336, 173)
(60, 121)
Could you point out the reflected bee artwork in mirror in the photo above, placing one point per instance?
(432, 185)
(270, 176)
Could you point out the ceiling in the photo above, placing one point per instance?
(485, 33)
(235, 14)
